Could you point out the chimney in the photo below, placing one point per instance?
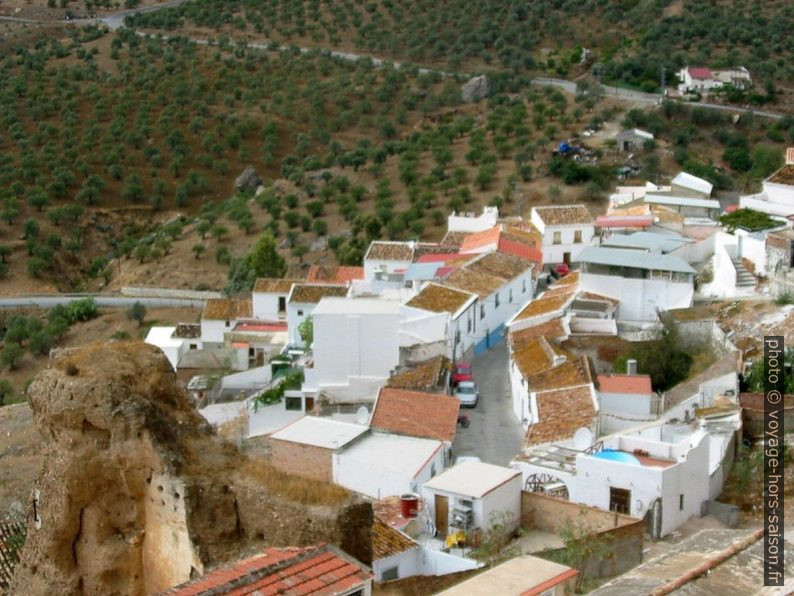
(631, 367)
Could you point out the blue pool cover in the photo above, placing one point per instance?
(621, 456)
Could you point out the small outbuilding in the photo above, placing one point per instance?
(633, 139)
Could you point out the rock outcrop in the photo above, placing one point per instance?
(249, 179)
(138, 494)
(475, 89)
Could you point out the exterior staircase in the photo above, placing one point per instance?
(744, 279)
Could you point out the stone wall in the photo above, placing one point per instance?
(307, 461)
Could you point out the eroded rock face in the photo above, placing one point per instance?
(137, 493)
(475, 89)
(249, 179)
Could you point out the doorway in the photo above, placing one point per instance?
(442, 514)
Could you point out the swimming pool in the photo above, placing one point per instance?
(619, 456)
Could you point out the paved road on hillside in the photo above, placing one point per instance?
(104, 301)
(495, 436)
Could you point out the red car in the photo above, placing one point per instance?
(461, 372)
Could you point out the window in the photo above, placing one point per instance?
(432, 470)
(577, 237)
(300, 313)
(619, 500)
(496, 299)
(194, 346)
(523, 286)
(681, 502)
(468, 323)
(389, 574)
(457, 336)
(510, 296)
(293, 404)
(227, 323)
(282, 303)
(557, 238)
(482, 311)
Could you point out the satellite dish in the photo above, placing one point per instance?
(582, 439)
(362, 415)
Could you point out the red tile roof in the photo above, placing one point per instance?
(415, 413)
(334, 274)
(520, 249)
(388, 541)
(553, 329)
(635, 384)
(261, 327)
(438, 257)
(478, 240)
(322, 570)
(624, 221)
(699, 72)
(561, 413)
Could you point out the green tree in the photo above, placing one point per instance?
(133, 189)
(262, 260)
(306, 330)
(11, 354)
(6, 392)
(198, 250)
(40, 342)
(137, 312)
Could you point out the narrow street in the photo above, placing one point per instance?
(495, 436)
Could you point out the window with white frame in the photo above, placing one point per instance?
(557, 239)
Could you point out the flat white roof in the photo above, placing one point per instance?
(627, 257)
(516, 576)
(681, 201)
(693, 182)
(648, 240)
(320, 432)
(377, 460)
(161, 337)
(357, 306)
(472, 479)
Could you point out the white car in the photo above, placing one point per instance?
(467, 393)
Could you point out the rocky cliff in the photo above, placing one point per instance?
(136, 493)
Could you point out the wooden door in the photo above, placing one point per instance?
(442, 514)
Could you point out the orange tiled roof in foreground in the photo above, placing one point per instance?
(571, 373)
(388, 541)
(417, 414)
(437, 298)
(425, 376)
(545, 304)
(632, 384)
(534, 357)
(274, 285)
(564, 215)
(561, 413)
(334, 274)
(290, 571)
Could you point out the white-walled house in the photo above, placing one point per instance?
(644, 283)
(566, 230)
(301, 302)
(460, 307)
(661, 471)
(384, 258)
(220, 316)
(777, 195)
(685, 184)
(269, 298)
(469, 222)
(502, 283)
(473, 496)
(624, 401)
(382, 465)
(702, 79)
(358, 343)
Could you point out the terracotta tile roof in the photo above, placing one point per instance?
(290, 571)
(390, 251)
(636, 384)
(561, 413)
(551, 330)
(699, 72)
(526, 245)
(187, 330)
(334, 274)
(227, 309)
(436, 298)
(598, 297)
(534, 357)
(439, 257)
(425, 376)
(784, 175)
(454, 239)
(569, 280)
(477, 240)
(481, 284)
(417, 414)
(545, 304)
(571, 373)
(500, 265)
(274, 285)
(565, 215)
(388, 541)
(313, 293)
(429, 248)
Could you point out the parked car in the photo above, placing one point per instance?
(556, 271)
(461, 372)
(467, 393)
